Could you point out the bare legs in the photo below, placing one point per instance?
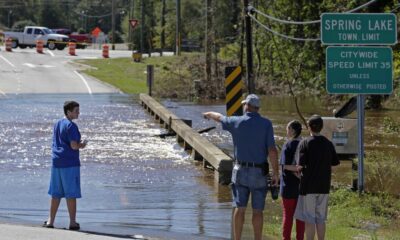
(310, 231)
(54, 203)
(238, 221)
(71, 205)
(258, 217)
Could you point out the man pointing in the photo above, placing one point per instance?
(253, 140)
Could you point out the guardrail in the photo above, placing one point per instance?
(201, 149)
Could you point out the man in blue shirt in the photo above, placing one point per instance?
(253, 140)
(65, 172)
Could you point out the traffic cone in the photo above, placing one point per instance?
(9, 45)
(39, 46)
(72, 47)
(105, 51)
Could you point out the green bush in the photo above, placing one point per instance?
(381, 173)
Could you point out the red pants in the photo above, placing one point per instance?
(289, 206)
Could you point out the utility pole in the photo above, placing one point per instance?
(163, 12)
(249, 49)
(130, 33)
(142, 27)
(178, 28)
(9, 16)
(113, 24)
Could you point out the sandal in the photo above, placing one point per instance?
(46, 225)
(75, 228)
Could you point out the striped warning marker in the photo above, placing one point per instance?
(233, 87)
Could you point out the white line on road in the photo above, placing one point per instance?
(52, 54)
(84, 81)
(2, 93)
(5, 59)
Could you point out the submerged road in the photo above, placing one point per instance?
(25, 71)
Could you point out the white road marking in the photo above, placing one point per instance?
(50, 52)
(40, 65)
(2, 93)
(5, 59)
(29, 65)
(84, 81)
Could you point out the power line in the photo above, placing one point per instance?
(93, 16)
(253, 9)
(283, 35)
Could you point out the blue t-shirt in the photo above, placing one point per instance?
(63, 155)
(289, 182)
(252, 136)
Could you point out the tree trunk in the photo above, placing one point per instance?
(163, 12)
(209, 40)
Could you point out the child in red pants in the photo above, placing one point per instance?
(290, 181)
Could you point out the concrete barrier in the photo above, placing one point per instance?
(201, 149)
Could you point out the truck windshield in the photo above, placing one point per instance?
(47, 31)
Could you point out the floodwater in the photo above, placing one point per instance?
(134, 182)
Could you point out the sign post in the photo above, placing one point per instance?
(359, 70)
(150, 78)
(360, 124)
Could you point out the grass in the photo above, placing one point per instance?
(369, 216)
(128, 76)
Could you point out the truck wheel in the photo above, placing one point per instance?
(14, 43)
(51, 45)
(60, 47)
(22, 46)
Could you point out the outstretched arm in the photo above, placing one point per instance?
(213, 115)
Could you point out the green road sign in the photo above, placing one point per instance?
(359, 70)
(359, 28)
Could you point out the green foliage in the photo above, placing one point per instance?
(381, 173)
(20, 25)
(390, 126)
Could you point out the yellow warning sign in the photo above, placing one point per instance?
(233, 87)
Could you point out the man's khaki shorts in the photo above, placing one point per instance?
(312, 208)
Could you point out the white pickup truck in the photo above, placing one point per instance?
(28, 38)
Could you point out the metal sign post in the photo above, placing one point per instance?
(360, 126)
(150, 77)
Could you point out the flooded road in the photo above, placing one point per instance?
(132, 181)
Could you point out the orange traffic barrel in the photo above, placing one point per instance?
(72, 47)
(105, 51)
(39, 46)
(9, 45)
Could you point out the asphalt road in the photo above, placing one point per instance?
(20, 232)
(25, 71)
